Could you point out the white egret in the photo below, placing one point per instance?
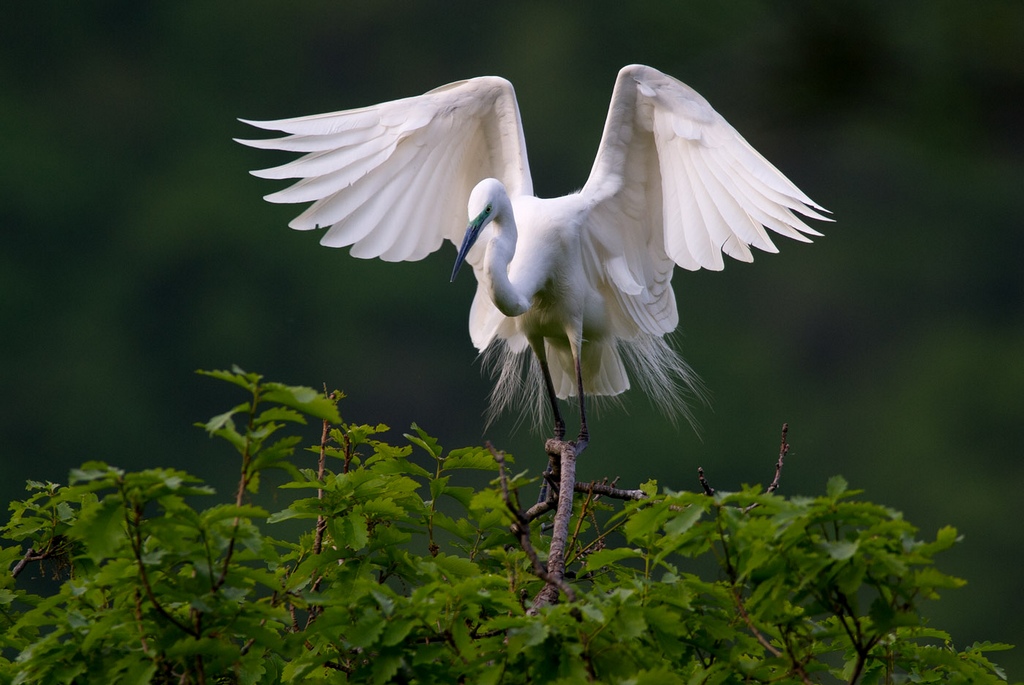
(584, 280)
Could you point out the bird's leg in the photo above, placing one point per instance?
(584, 436)
(550, 472)
(553, 398)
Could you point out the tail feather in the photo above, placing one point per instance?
(661, 373)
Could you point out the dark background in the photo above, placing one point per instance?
(136, 248)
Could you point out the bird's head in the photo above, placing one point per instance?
(485, 202)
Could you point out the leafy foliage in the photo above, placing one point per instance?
(396, 572)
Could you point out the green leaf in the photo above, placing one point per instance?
(610, 556)
(101, 529)
(645, 522)
(360, 435)
(421, 439)
(841, 550)
(92, 471)
(459, 527)
(472, 458)
(658, 677)
(456, 567)
(304, 399)
(349, 531)
(279, 414)
(231, 511)
(288, 513)
(462, 495)
(684, 520)
(237, 376)
(225, 420)
(438, 487)
(525, 635)
(138, 670)
(987, 646)
(931, 577)
(385, 666)
(396, 631)
(836, 486)
(944, 539)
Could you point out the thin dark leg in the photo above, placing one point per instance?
(584, 436)
(553, 398)
(549, 472)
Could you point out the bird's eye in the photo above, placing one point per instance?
(487, 209)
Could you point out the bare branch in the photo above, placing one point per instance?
(30, 556)
(539, 509)
(783, 451)
(609, 491)
(560, 530)
(521, 529)
(543, 507)
(708, 490)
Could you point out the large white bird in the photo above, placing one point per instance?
(584, 280)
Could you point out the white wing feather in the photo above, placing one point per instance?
(674, 183)
(393, 180)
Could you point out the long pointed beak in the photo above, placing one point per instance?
(472, 233)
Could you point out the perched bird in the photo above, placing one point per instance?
(584, 280)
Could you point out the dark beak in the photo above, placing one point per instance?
(472, 233)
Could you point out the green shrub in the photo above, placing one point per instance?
(392, 572)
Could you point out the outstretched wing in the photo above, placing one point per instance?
(674, 183)
(393, 180)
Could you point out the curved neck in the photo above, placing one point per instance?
(501, 248)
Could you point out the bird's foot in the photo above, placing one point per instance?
(580, 443)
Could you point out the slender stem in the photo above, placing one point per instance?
(541, 508)
(609, 491)
(138, 621)
(321, 521)
(30, 556)
(579, 520)
(243, 483)
(136, 540)
(783, 451)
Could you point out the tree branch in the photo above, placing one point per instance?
(136, 542)
(521, 529)
(30, 556)
(609, 491)
(560, 529)
(321, 521)
(708, 490)
(783, 451)
(543, 507)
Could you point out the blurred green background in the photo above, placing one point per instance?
(137, 249)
